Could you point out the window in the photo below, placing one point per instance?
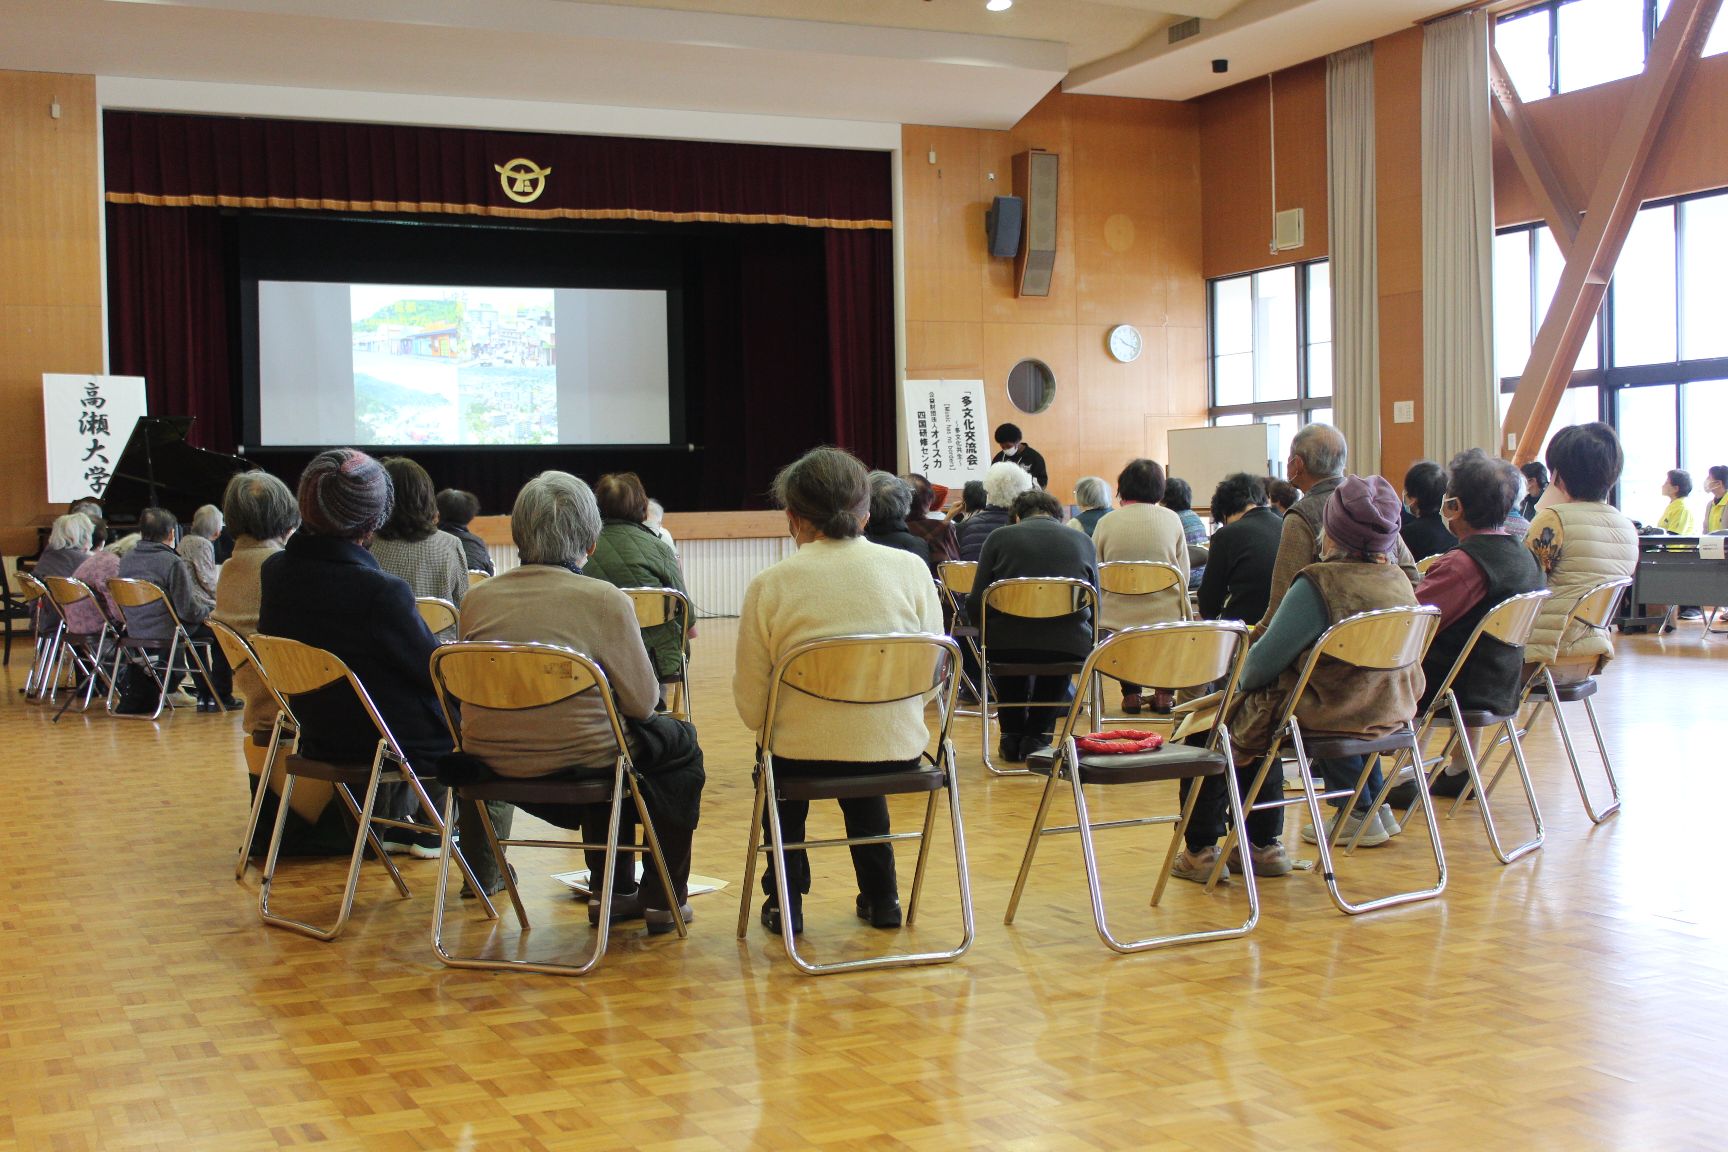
(1271, 359)
(1661, 375)
(1564, 45)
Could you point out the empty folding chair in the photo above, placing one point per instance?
(862, 670)
(138, 601)
(1177, 655)
(656, 608)
(1382, 640)
(295, 670)
(1036, 598)
(520, 677)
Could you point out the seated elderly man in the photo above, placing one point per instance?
(555, 524)
(1036, 544)
(1356, 574)
(1488, 566)
(155, 561)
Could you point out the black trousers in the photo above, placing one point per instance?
(1012, 692)
(872, 864)
(1206, 826)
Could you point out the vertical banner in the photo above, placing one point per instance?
(946, 430)
(88, 420)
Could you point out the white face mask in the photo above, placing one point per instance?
(1014, 451)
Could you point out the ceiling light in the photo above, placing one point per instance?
(998, 5)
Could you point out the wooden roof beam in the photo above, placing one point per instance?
(1552, 195)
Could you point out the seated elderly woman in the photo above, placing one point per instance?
(69, 544)
(890, 501)
(551, 599)
(198, 547)
(925, 519)
(1424, 530)
(836, 584)
(1488, 566)
(98, 568)
(1093, 497)
(1142, 528)
(1036, 544)
(262, 513)
(1002, 483)
(1355, 574)
(456, 510)
(324, 588)
(409, 544)
(155, 561)
(629, 554)
(1238, 579)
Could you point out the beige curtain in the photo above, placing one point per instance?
(1458, 385)
(1351, 219)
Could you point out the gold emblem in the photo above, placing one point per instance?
(523, 180)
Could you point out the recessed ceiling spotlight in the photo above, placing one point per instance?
(998, 5)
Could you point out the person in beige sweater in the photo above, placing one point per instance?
(1141, 529)
(836, 584)
(555, 524)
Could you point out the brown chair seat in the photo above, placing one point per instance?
(560, 789)
(145, 644)
(1171, 762)
(1063, 668)
(354, 774)
(1474, 718)
(1567, 693)
(852, 787)
(1337, 747)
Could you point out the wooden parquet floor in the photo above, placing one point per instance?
(1573, 1000)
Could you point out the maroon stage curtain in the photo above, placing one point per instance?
(168, 315)
(234, 162)
(860, 299)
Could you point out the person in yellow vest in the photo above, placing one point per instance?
(1677, 518)
(1716, 483)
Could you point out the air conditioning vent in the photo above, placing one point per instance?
(1187, 28)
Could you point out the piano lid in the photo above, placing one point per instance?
(159, 467)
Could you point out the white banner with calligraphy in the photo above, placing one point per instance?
(947, 432)
(88, 420)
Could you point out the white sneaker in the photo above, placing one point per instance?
(1372, 837)
(1389, 822)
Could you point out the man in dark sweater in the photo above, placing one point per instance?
(1238, 576)
(1036, 544)
(1017, 451)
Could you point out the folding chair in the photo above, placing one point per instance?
(1138, 578)
(131, 596)
(862, 670)
(13, 609)
(1592, 611)
(1507, 623)
(518, 677)
(440, 615)
(954, 580)
(1030, 597)
(284, 730)
(1385, 640)
(476, 575)
(294, 669)
(46, 627)
(657, 606)
(1174, 655)
(85, 650)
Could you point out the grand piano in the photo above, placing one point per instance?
(157, 467)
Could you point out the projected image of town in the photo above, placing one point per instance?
(440, 365)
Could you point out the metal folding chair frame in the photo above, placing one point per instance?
(131, 650)
(954, 587)
(1339, 635)
(656, 606)
(386, 751)
(85, 649)
(45, 643)
(1079, 590)
(1208, 715)
(283, 730)
(946, 684)
(581, 674)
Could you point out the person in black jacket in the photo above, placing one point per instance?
(1424, 532)
(1238, 578)
(1036, 544)
(890, 501)
(1003, 483)
(456, 510)
(1016, 451)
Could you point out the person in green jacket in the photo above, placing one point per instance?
(629, 554)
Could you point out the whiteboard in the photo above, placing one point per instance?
(1204, 456)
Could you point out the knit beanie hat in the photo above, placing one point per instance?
(1362, 515)
(345, 494)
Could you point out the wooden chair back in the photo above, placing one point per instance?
(476, 575)
(440, 615)
(1384, 640)
(514, 677)
(656, 606)
(1038, 597)
(1143, 578)
(878, 668)
(957, 576)
(1177, 654)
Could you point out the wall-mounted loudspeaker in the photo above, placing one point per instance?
(1003, 222)
(1035, 175)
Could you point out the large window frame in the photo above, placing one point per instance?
(1313, 398)
(1549, 10)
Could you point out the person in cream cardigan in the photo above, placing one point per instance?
(837, 583)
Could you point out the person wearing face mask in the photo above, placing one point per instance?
(1016, 451)
(1716, 512)
(1488, 566)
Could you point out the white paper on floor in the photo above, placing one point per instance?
(578, 881)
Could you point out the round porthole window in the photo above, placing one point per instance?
(1031, 386)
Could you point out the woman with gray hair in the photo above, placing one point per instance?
(69, 544)
(198, 547)
(890, 502)
(556, 524)
(1002, 483)
(836, 584)
(1093, 496)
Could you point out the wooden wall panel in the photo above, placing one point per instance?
(50, 276)
(1236, 169)
(1128, 251)
(1398, 194)
(1576, 129)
